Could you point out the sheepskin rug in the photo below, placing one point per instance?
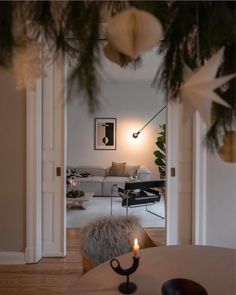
(107, 237)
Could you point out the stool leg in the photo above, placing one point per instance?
(112, 191)
(127, 204)
(111, 205)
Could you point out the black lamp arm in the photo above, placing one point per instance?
(135, 135)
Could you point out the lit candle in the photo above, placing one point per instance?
(136, 248)
(73, 184)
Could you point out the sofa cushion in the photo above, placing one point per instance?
(115, 179)
(143, 174)
(117, 169)
(92, 179)
(109, 182)
(130, 170)
(93, 170)
(92, 184)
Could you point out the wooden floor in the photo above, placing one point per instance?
(52, 275)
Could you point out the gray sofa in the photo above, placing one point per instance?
(98, 180)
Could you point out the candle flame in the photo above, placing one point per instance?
(135, 242)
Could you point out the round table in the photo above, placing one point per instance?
(212, 267)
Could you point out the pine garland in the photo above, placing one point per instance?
(6, 36)
(216, 28)
(72, 29)
(87, 62)
(224, 118)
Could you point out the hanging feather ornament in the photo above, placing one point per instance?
(197, 91)
(27, 65)
(134, 32)
(227, 151)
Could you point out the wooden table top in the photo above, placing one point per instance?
(212, 267)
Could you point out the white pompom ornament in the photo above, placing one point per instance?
(134, 32)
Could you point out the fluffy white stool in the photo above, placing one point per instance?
(107, 237)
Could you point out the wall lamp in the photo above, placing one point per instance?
(136, 134)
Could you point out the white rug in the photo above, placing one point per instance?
(101, 206)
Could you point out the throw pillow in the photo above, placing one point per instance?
(131, 170)
(117, 169)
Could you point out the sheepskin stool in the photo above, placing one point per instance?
(108, 237)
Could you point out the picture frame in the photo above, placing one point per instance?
(105, 133)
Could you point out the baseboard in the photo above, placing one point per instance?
(33, 254)
(53, 254)
(12, 257)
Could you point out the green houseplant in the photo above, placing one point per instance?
(160, 154)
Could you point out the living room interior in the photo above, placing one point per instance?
(46, 133)
(121, 98)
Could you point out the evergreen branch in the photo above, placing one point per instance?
(7, 41)
(85, 73)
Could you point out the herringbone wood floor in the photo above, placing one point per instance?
(52, 275)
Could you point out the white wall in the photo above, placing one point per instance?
(12, 164)
(133, 103)
(221, 203)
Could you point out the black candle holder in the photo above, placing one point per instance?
(126, 287)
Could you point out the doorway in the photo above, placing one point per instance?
(54, 207)
(127, 99)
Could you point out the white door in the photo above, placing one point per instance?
(179, 176)
(54, 240)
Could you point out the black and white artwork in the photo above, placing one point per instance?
(105, 134)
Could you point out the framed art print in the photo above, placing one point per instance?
(105, 134)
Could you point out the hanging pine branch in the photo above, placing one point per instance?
(224, 118)
(178, 47)
(216, 28)
(85, 69)
(7, 41)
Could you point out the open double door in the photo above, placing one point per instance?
(46, 164)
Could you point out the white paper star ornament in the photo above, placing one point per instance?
(198, 89)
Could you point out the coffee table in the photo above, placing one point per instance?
(79, 201)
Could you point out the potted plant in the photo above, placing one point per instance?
(160, 154)
(75, 194)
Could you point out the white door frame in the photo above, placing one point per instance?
(181, 157)
(34, 181)
(34, 237)
(33, 251)
(171, 181)
(199, 182)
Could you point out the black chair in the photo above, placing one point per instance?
(141, 193)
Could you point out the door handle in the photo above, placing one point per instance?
(172, 172)
(58, 171)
